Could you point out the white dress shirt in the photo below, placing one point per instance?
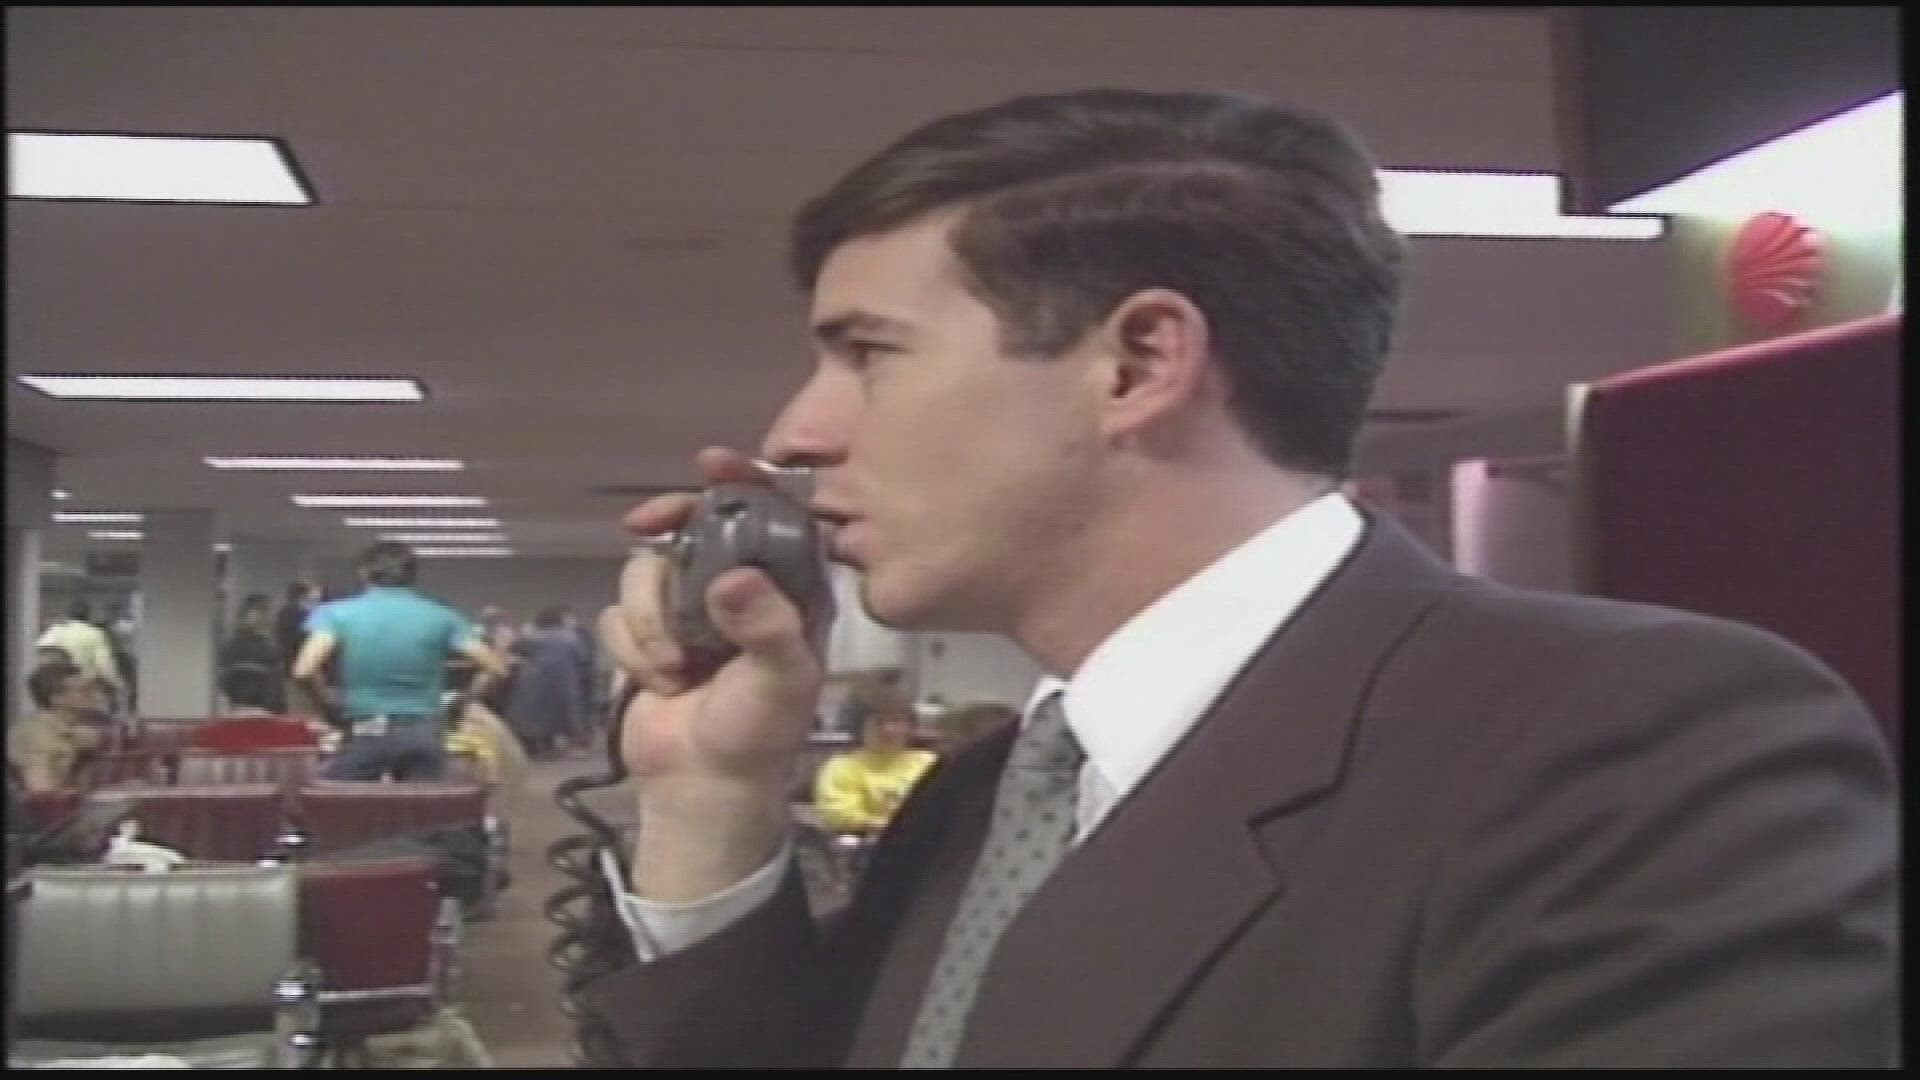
(1133, 698)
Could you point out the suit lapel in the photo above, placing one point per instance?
(926, 856)
(1134, 913)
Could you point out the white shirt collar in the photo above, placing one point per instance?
(1146, 685)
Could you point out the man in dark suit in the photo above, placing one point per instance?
(1294, 794)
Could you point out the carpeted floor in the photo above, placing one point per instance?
(509, 990)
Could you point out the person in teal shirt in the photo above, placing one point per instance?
(393, 646)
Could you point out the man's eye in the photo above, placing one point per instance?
(861, 354)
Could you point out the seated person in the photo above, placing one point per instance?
(47, 747)
(250, 722)
(858, 791)
(477, 731)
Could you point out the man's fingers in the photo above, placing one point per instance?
(717, 465)
(754, 614)
(657, 658)
(613, 638)
(720, 465)
(636, 631)
(660, 514)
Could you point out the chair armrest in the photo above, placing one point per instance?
(296, 1017)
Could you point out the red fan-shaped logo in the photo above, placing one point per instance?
(1773, 269)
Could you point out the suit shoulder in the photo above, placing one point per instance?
(1495, 658)
(1479, 611)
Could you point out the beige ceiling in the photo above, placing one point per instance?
(568, 222)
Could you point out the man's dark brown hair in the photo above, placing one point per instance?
(389, 563)
(1266, 218)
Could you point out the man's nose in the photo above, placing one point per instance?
(811, 429)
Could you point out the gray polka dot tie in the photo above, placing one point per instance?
(1032, 826)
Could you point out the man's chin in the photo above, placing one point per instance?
(891, 609)
(910, 612)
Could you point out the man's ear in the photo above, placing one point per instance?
(1159, 347)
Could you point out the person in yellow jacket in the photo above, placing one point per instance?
(858, 791)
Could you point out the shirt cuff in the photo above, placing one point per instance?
(659, 929)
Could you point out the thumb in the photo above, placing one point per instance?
(750, 611)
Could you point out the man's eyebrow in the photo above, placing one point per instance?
(836, 330)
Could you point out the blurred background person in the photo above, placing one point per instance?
(252, 722)
(289, 632)
(117, 623)
(587, 717)
(496, 627)
(251, 653)
(90, 650)
(393, 646)
(858, 791)
(867, 687)
(48, 747)
(544, 706)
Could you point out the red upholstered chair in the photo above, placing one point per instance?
(134, 765)
(384, 942)
(337, 815)
(244, 734)
(166, 733)
(160, 739)
(223, 822)
(289, 768)
(49, 808)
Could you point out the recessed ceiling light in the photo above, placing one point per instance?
(226, 388)
(422, 523)
(441, 501)
(446, 538)
(222, 548)
(1495, 205)
(62, 493)
(152, 168)
(115, 534)
(90, 517)
(339, 464)
(463, 552)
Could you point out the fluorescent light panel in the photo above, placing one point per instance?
(1846, 168)
(151, 168)
(62, 493)
(226, 388)
(1429, 202)
(463, 552)
(447, 502)
(339, 464)
(115, 534)
(92, 517)
(422, 523)
(446, 538)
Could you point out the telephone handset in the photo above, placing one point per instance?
(732, 525)
(743, 525)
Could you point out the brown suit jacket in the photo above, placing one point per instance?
(1434, 822)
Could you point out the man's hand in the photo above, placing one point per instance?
(712, 757)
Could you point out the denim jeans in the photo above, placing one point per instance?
(412, 748)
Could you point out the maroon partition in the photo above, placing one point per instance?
(1759, 484)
